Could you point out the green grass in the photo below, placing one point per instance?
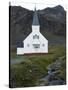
(29, 71)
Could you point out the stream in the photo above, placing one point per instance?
(50, 78)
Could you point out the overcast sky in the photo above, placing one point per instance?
(40, 4)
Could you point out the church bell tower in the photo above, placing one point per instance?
(35, 23)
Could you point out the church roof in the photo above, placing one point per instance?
(35, 18)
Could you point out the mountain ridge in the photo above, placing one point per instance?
(52, 20)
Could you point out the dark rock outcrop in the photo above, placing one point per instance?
(51, 20)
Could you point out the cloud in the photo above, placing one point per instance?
(40, 4)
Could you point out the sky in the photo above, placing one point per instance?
(40, 4)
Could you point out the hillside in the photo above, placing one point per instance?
(52, 22)
(41, 70)
(53, 19)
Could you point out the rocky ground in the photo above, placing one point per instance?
(51, 78)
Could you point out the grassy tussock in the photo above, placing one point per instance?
(29, 71)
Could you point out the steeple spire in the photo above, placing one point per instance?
(35, 18)
(35, 6)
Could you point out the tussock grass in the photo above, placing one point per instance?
(29, 71)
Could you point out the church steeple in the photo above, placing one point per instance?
(35, 18)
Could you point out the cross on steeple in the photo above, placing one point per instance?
(35, 7)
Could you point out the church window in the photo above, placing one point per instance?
(36, 45)
(43, 45)
(28, 45)
(35, 36)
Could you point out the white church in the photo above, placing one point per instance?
(35, 42)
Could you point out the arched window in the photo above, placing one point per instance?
(36, 36)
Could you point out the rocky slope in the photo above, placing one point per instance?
(56, 73)
(52, 20)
